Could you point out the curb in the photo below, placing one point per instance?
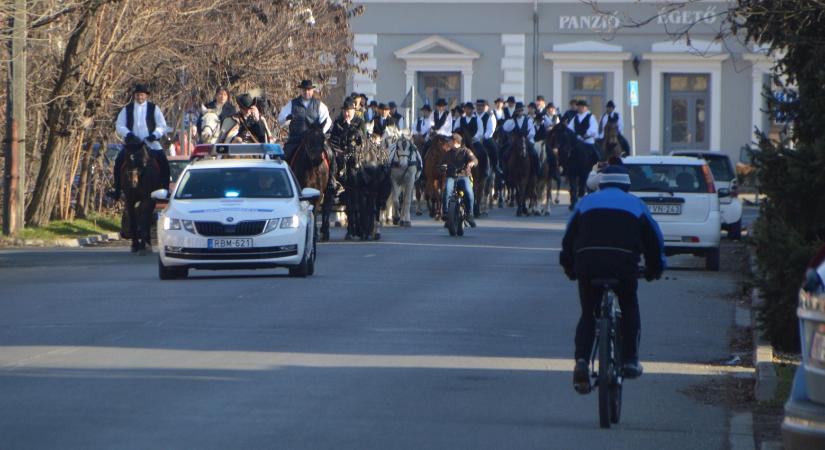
(65, 242)
(766, 380)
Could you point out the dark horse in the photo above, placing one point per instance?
(139, 176)
(367, 187)
(520, 174)
(577, 159)
(312, 169)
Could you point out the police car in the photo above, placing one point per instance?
(237, 206)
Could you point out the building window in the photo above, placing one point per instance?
(435, 85)
(687, 97)
(591, 88)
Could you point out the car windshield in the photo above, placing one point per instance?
(176, 166)
(667, 178)
(236, 182)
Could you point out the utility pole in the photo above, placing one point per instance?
(14, 200)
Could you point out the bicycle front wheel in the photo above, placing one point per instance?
(453, 212)
(604, 380)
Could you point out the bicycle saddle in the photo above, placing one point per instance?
(602, 282)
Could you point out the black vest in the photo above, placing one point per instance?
(440, 121)
(582, 127)
(507, 113)
(303, 117)
(150, 116)
(397, 116)
(523, 129)
(485, 119)
(469, 125)
(611, 118)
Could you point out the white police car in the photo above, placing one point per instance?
(238, 208)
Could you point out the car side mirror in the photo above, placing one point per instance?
(160, 194)
(310, 195)
(724, 192)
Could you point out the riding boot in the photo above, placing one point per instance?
(115, 192)
(163, 163)
(332, 184)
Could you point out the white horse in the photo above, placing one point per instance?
(405, 168)
(210, 126)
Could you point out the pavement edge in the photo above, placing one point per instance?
(64, 242)
(766, 379)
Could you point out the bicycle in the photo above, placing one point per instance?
(456, 207)
(607, 348)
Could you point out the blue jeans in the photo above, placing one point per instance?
(466, 184)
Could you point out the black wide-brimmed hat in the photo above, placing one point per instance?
(426, 107)
(511, 99)
(392, 105)
(481, 101)
(373, 103)
(306, 84)
(441, 102)
(519, 105)
(540, 98)
(140, 87)
(383, 106)
(499, 100)
(581, 103)
(610, 104)
(348, 104)
(245, 101)
(469, 105)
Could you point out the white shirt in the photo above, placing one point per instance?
(491, 125)
(499, 113)
(426, 124)
(592, 129)
(550, 121)
(512, 123)
(139, 127)
(604, 123)
(457, 122)
(446, 129)
(323, 114)
(400, 123)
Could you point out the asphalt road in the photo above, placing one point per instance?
(419, 341)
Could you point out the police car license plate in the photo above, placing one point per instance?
(230, 243)
(666, 209)
(818, 347)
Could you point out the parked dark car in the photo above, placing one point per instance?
(804, 423)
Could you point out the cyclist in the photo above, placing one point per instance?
(604, 238)
(459, 162)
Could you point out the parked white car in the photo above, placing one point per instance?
(724, 175)
(247, 212)
(682, 197)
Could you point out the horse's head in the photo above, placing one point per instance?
(518, 143)
(611, 133)
(210, 126)
(137, 157)
(314, 142)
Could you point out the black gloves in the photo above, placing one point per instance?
(651, 275)
(151, 138)
(131, 139)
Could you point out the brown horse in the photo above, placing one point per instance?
(432, 172)
(520, 176)
(312, 169)
(139, 176)
(611, 145)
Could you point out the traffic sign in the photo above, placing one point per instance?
(633, 92)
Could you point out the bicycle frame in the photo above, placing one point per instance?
(607, 349)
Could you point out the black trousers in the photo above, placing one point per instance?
(590, 298)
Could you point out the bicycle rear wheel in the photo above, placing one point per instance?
(616, 384)
(604, 379)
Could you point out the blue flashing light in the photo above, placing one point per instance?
(231, 194)
(274, 150)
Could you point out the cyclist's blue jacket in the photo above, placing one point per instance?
(607, 233)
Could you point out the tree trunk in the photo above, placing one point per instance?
(84, 188)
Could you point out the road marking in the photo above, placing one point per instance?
(104, 358)
(420, 244)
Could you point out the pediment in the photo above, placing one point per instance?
(681, 46)
(436, 46)
(587, 46)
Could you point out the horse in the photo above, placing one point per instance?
(422, 145)
(367, 187)
(432, 172)
(520, 175)
(405, 166)
(139, 176)
(579, 163)
(611, 144)
(312, 169)
(544, 182)
(480, 174)
(210, 126)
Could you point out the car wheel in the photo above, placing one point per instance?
(171, 273)
(302, 269)
(735, 231)
(312, 255)
(712, 260)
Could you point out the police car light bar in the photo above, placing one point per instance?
(272, 150)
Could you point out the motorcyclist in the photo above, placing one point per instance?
(141, 121)
(604, 239)
(459, 161)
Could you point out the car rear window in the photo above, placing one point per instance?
(176, 166)
(241, 182)
(667, 178)
(720, 165)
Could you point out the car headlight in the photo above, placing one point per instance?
(271, 224)
(290, 222)
(171, 224)
(188, 225)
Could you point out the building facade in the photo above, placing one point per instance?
(706, 95)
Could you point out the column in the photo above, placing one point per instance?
(467, 85)
(365, 43)
(513, 65)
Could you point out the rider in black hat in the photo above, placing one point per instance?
(139, 122)
(347, 132)
(301, 112)
(247, 125)
(443, 121)
(396, 116)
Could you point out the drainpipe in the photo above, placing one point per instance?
(535, 48)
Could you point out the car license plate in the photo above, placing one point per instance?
(818, 348)
(667, 209)
(230, 243)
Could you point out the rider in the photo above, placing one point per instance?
(571, 111)
(302, 112)
(470, 125)
(524, 125)
(221, 104)
(397, 116)
(487, 123)
(459, 161)
(442, 120)
(424, 122)
(604, 238)
(347, 132)
(247, 125)
(138, 122)
(380, 123)
(585, 126)
(510, 109)
(610, 116)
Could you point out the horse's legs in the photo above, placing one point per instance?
(407, 195)
(133, 224)
(326, 209)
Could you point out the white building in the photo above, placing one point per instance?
(703, 96)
